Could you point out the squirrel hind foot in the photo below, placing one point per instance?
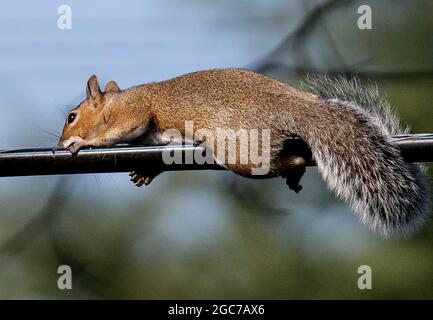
(293, 184)
(294, 175)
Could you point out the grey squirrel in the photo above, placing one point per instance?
(344, 123)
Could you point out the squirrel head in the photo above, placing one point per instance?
(84, 120)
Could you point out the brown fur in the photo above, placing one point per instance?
(341, 127)
(229, 98)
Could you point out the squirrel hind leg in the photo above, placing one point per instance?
(294, 173)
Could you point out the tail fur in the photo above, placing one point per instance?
(388, 194)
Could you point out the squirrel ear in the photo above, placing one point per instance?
(112, 86)
(92, 90)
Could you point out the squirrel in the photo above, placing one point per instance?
(343, 122)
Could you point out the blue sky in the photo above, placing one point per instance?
(43, 70)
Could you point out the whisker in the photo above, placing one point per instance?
(50, 133)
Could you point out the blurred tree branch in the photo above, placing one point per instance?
(291, 47)
(298, 36)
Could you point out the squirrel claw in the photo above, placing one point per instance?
(143, 180)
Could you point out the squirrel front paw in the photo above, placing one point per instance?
(143, 177)
(75, 147)
(73, 144)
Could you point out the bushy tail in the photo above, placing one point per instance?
(356, 160)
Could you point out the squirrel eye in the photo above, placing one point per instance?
(71, 117)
